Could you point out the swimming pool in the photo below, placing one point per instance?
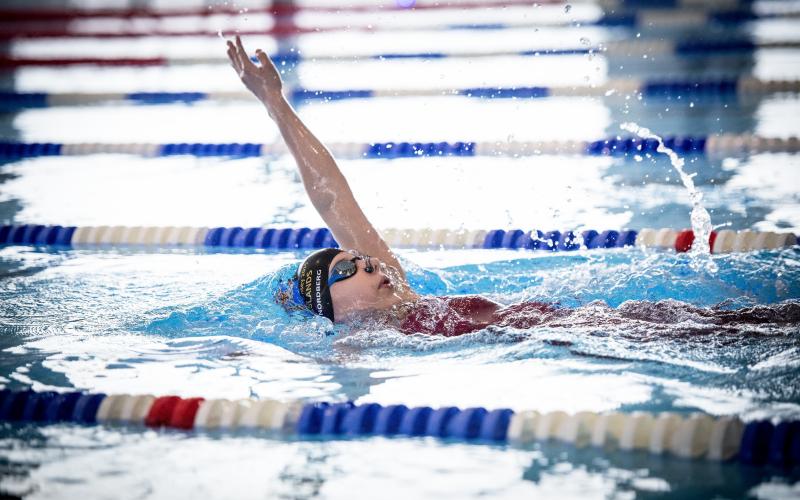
(199, 321)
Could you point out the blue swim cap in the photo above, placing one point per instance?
(288, 292)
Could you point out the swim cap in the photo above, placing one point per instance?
(312, 281)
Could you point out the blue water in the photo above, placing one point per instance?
(635, 330)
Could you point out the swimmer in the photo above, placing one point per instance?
(364, 279)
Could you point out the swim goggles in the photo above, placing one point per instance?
(347, 267)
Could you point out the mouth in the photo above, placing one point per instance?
(385, 282)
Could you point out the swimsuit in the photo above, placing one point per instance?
(453, 316)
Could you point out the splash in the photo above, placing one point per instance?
(700, 252)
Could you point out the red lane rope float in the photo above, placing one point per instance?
(683, 243)
(161, 412)
(184, 412)
(50, 14)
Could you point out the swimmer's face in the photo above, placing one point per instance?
(363, 291)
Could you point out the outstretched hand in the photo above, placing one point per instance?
(262, 80)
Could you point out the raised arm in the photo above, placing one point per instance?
(326, 186)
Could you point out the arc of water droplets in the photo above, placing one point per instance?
(700, 218)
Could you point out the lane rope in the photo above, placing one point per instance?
(724, 11)
(692, 436)
(648, 19)
(278, 9)
(635, 48)
(725, 241)
(715, 145)
(614, 88)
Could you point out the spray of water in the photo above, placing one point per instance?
(701, 220)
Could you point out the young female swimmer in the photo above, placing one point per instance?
(365, 280)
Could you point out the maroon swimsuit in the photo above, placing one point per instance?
(452, 316)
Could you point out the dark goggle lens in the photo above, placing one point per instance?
(342, 270)
(345, 267)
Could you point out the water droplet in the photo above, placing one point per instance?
(585, 41)
(567, 8)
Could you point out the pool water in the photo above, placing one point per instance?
(639, 329)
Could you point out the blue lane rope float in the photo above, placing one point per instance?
(720, 88)
(724, 241)
(694, 436)
(620, 146)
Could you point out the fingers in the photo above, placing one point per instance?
(244, 59)
(233, 57)
(262, 58)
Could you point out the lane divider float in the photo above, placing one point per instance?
(724, 241)
(693, 436)
(713, 145)
(726, 12)
(611, 49)
(718, 88)
(649, 20)
(275, 9)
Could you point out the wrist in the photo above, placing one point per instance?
(271, 98)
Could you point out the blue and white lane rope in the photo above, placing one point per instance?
(725, 88)
(694, 436)
(715, 145)
(724, 241)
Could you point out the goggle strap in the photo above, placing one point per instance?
(337, 277)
